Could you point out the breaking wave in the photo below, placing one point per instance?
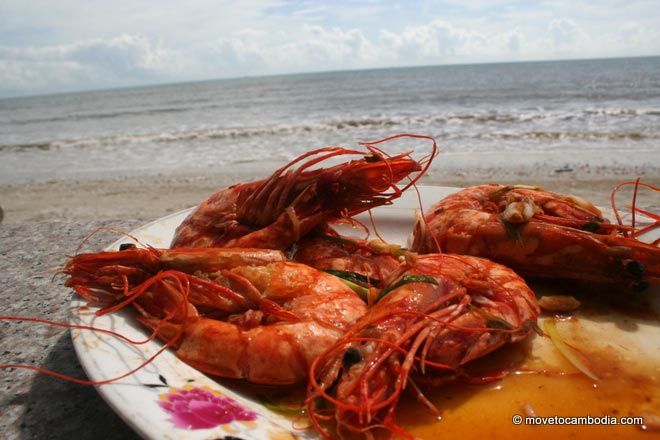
(482, 126)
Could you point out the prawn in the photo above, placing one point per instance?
(277, 211)
(538, 234)
(236, 313)
(362, 263)
(440, 313)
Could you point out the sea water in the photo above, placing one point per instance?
(598, 108)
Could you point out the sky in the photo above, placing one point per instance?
(70, 45)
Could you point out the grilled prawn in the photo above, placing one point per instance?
(538, 234)
(238, 313)
(437, 315)
(276, 212)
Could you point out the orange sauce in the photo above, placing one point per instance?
(477, 412)
(629, 384)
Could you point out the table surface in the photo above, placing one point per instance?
(35, 405)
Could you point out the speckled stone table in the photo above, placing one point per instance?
(35, 406)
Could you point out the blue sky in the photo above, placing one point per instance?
(48, 46)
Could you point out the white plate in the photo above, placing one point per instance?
(141, 404)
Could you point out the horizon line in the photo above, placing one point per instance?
(315, 72)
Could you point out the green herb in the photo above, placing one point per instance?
(406, 279)
(354, 277)
(362, 292)
(279, 408)
(339, 240)
(493, 322)
(497, 325)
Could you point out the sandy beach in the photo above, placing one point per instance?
(149, 198)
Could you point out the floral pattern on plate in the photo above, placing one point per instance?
(202, 408)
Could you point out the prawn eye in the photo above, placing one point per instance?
(352, 356)
(635, 268)
(590, 227)
(124, 246)
(370, 158)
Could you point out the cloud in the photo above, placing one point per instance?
(565, 33)
(72, 44)
(438, 38)
(326, 48)
(441, 41)
(126, 55)
(242, 53)
(314, 48)
(122, 60)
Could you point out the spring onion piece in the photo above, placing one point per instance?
(406, 279)
(494, 322)
(354, 277)
(339, 240)
(551, 329)
(362, 292)
(279, 408)
(498, 324)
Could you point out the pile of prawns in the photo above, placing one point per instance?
(258, 285)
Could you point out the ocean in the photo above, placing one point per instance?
(588, 108)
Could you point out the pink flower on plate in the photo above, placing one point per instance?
(202, 408)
